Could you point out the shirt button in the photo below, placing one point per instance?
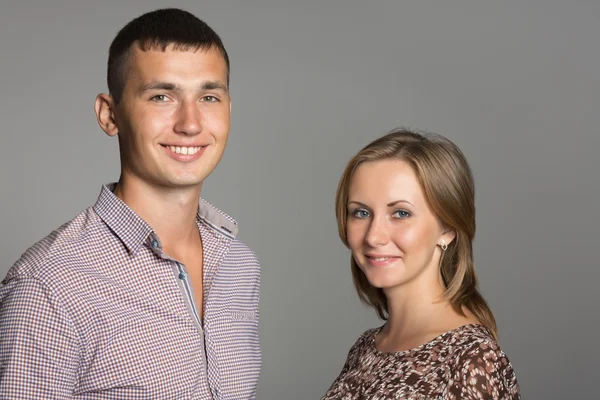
(155, 244)
(182, 275)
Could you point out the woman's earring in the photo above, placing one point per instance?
(443, 245)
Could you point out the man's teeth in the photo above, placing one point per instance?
(184, 150)
(380, 258)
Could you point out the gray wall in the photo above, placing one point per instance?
(514, 83)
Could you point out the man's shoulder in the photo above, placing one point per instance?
(241, 249)
(242, 258)
(226, 226)
(56, 250)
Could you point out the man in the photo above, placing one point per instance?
(147, 294)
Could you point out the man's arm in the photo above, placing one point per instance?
(38, 343)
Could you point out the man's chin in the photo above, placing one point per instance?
(184, 183)
(185, 179)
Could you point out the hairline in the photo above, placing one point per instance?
(154, 44)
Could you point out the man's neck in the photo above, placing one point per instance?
(171, 212)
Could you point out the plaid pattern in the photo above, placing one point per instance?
(96, 311)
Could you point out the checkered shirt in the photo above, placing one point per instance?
(96, 310)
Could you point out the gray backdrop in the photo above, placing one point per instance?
(514, 83)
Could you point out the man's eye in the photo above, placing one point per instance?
(159, 98)
(210, 99)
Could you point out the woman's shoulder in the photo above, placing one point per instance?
(363, 342)
(370, 333)
(466, 335)
(475, 346)
(474, 340)
(481, 366)
(365, 339)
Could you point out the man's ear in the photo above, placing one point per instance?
(105, 113)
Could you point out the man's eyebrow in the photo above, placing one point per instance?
(159, 86)
(213, 85)
(208, 85)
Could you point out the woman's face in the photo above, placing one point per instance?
(392, 233)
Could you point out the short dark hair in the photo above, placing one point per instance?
(157, 30)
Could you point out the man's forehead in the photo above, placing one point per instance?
(201, 61)
(156, 46)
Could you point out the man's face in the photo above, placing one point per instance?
(174, 116)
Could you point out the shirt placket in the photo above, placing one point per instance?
(190, 302)
(183, 277)
(215, 249)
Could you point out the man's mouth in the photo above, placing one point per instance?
(185, 150)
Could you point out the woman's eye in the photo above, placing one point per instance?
(401, 214)
(361, 214)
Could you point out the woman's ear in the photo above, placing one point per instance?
(448, 236)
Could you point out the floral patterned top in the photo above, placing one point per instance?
(464, 363)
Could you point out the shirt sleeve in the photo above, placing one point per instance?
(38, 343)
(484, 372)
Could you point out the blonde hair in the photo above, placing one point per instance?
(447, 182)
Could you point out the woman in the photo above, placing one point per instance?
(405, 208)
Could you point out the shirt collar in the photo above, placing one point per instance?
(217, 219)
(133, 230)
